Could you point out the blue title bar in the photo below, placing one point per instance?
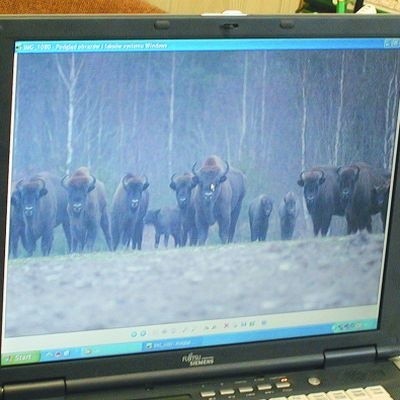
(122, 46)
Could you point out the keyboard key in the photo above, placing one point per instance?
(338, 395)
(358, 394)
(318, 396)
(208, 393)
(227, 392)
(246, 389)
(298, 397)
(264, 386)
(378, 392)
(278, 398)
(283, 385)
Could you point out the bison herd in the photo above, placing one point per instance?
(210, 194)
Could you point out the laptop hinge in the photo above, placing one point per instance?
(351, 355)
(51, 390)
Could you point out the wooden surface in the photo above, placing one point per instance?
(77, 7)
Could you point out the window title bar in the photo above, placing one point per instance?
(118, 46)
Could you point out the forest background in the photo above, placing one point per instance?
(271, 114)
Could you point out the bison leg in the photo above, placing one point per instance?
(90, 237)
(253, 232)
(233, 220)
(383, 219)
(47, 241)
(325, 224)
(203, 234)
(105, 226)
(67, 233)
(157, 237)
(138, 235)
(263, 233)
(166, 239)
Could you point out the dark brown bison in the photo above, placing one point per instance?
(218, 198)
(380, 200)
(17, 224)
(87, 209)
(129, 206)
(166, 221)
(39, 205)
(183, 186)
(357, 183)
(259, 212)
(322, 196)
(288, 212)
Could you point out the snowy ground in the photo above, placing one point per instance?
(131, 288)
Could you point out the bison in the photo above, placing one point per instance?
(166, 221)
(259, 211)
(357, 182)
(288, 212)
(218, 198)
(322, 196)
(17, 224)
(183, 186)
(129, 206)
(39, 205)
(380, 200)
(87, 209)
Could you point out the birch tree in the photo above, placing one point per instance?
(69, 76)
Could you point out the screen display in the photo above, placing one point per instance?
(177, 194)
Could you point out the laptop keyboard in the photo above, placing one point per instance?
(368, 393)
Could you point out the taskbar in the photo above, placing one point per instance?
(126, 348)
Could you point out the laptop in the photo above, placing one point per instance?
(261, 150)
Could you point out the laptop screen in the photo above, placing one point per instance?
(176, 194)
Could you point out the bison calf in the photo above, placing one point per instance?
(183, 186)
(166, 221)
(288, 212)
(259, 211)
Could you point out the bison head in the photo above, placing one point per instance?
(28, 195)
(311, 181)
(380, 196)
(267, 205)
(348, 177)
(290, 204)
(134, 186)
(183, 186)
(209, 179)
(78, 187)
(152, 217)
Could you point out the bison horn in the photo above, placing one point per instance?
(322, 174)
(92, 184)
(124, 181)
(194, 169)
(19, 184)
(357, 168)
(172, 179)
(226, 168)
(63, 184)
(42, 181)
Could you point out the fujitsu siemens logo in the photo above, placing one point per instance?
(197, 360)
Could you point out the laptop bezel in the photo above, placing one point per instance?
(250, 357)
